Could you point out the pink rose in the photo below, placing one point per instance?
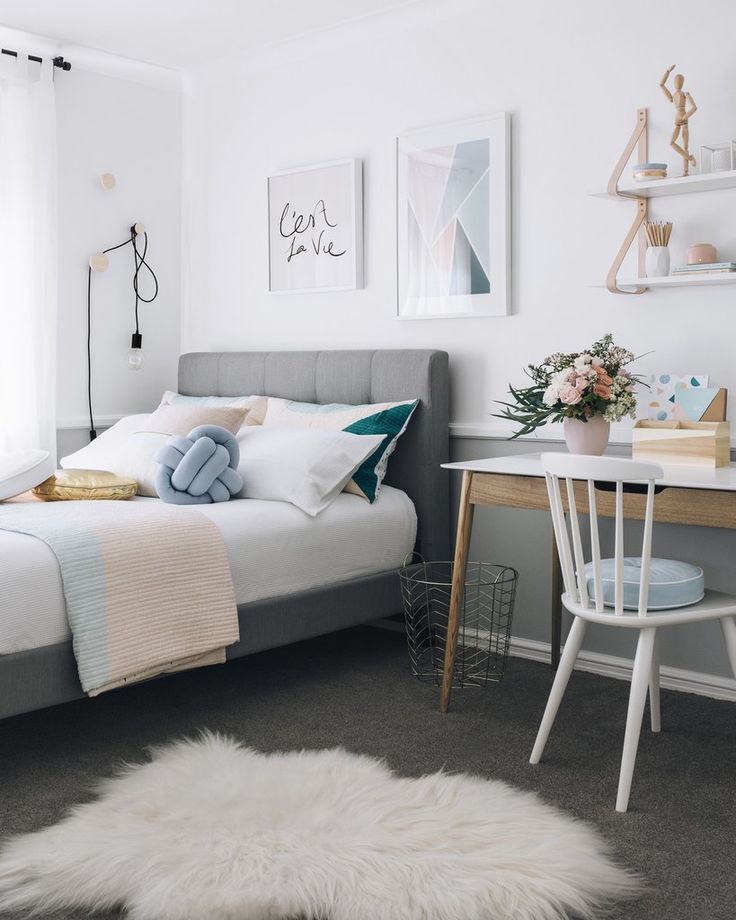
(581, 383)
(603, 376)
(570, 395)
(600, 389)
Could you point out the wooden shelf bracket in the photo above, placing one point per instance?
(638, 141)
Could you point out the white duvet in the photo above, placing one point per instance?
(274, 549)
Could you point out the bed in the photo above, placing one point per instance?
(293, 580)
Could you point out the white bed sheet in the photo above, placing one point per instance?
(274, 550)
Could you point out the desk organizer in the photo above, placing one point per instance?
(705, 444)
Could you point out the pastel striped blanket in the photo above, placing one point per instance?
(147, 586)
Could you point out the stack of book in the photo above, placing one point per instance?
(706, 268)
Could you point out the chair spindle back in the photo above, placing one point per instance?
(571, 468)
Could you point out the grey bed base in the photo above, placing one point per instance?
(47, 676)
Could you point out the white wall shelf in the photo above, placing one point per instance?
(684, 185)
(676, 281)
(640, 193)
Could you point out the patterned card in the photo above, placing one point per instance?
(661, 396)
(695, 404)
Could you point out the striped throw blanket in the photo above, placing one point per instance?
(148, 587)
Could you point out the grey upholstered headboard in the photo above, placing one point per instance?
(354, 377)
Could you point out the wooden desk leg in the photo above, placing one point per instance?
(462, 544)
(556, 620)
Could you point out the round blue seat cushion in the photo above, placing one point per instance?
(200, 468)
(672, 584)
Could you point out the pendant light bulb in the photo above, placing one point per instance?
(135, 355)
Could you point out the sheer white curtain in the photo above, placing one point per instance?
(28, 253)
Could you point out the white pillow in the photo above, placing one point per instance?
(305, 466)
(171, 398)
(129, 447)
(123, 449)
(387, 419)
(22, 470)
(256, 405)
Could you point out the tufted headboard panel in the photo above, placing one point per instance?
(354, 377)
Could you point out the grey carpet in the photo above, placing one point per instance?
(354, 689)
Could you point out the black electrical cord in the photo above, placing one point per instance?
(92, 431)
(139, 260)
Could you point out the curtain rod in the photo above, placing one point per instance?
(58, 61)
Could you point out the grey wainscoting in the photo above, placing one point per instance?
(70, 439)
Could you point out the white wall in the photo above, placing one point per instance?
(131, 128)
(571, 73)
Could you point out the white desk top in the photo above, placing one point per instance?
(722, 479)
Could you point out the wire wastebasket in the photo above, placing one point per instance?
(484, 627)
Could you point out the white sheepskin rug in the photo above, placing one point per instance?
(210, 830)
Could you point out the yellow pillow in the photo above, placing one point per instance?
(68, 485)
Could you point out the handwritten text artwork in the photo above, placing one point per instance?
(315, 228)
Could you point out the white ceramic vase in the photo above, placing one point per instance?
(589, 437)
(657, 261)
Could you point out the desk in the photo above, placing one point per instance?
(692, 495)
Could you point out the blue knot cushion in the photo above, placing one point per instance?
(200, 468)
(672, 584)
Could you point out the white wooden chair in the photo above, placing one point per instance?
(586, 609)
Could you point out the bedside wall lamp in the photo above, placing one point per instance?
(99, 262)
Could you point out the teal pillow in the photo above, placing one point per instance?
(391, 422)
(388, 419)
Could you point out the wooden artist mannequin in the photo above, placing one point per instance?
(683, 114)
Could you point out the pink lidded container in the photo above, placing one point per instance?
(701, 253)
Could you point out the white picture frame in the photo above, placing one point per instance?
(315, 228)
(453, 219)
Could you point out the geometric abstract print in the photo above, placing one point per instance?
(448, 232)
(663, 389)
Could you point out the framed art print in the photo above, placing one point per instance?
(453, 219)
(315, 228)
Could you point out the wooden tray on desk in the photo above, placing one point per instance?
(706, 444)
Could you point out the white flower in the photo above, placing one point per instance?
(551, 395)
(596, 362)
(567, 375)
(582, 361)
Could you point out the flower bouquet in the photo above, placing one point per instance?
(590, 388)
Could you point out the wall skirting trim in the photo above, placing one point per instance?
(502, 431)
(719, 688)
(620, 434)
(82, 424)
(548, 434)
